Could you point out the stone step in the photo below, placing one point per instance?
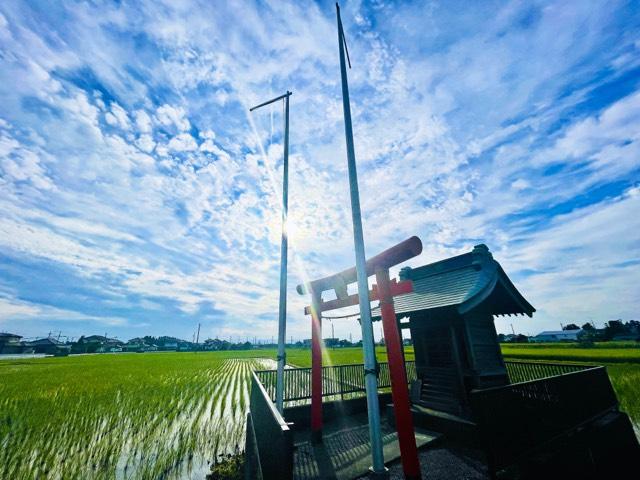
(442, 391)
(452, 407)
(438, 396)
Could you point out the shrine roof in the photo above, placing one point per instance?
(473, 280)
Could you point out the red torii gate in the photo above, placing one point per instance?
(384, 291)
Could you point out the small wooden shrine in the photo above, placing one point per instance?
(450, 316)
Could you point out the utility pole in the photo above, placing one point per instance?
(373, 408)
(333, 336)
(282, 305)
(512, 330)
(198, 335)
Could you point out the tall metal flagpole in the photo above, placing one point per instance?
(373, 409)
(282, 306)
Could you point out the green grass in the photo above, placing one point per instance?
(132, 415)
(625, 378)
(605, 352)
(338, 356)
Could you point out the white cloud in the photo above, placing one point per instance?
(143, 121)
(580, 263)
(146, 143)
(118, 117)
(173, 116)
(520, 184)
(618, 123)
(13, 311)
(22, 164)
(453, 126)
(183, 142)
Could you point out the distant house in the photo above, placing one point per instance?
(137, 345)
(170, 346)
(97, 344)
(48, 345)
(215, 344)
(557, 336)
(134, 345)
(10, 343)
(513, 338)
(331, 342)
(109, 348)
(101, 339)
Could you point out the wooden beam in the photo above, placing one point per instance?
(399, 253)
(397, 288)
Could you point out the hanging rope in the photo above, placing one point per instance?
(340, 317)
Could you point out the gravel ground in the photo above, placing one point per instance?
(446, 462)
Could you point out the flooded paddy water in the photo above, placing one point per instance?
(135, 416)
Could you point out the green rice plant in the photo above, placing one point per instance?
(161, 415)
(301, 357)
(605, 352)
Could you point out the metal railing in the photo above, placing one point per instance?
(337, 380)
(520, 371)
(515, 419)
(340, 380)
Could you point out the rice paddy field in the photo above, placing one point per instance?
(168, 415)
(338, 356)
(160, 415)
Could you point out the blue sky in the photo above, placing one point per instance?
(139, 196)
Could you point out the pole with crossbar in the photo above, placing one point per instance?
(282, 305)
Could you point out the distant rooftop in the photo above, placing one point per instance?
(560, 332)
(9, 335)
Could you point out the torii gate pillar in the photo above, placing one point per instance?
(316, 368)
(398, 375)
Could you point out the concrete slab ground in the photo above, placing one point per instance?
(344, 453)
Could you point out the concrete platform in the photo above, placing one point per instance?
(452, 426)
(345, 451)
